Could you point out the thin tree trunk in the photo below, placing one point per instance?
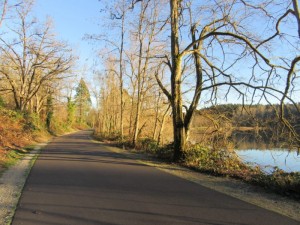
(121, 75)
(139, 82)
(162, 126)
(156, 116)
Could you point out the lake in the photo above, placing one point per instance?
(259, 148)
(288, 161)
(265, 153)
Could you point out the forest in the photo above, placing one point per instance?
(171, 67)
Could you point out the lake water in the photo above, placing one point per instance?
(258, 149)
(262, 151)
(288, 161)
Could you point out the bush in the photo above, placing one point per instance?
(148, 145)
(113, 137)
(2, 102)
(280, 182)
(217, 161)
(32, 122)
(12, 129)
(165, 152)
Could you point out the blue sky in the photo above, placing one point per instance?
(72, 20)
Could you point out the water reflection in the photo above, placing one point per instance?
(261, 140)
(259, 148)
(288, 161)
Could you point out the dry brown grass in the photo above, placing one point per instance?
(14, 133)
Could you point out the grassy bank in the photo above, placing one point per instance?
(217, 162)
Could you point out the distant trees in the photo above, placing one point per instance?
(261, 121)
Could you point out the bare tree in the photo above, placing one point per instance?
(297, 14)
(32, 59)
(147, 30)
(222, 54)
(3, 6)
(219, 43)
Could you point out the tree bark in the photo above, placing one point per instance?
(121, 73)
(297, 14)
(176, 95)
(159, 142)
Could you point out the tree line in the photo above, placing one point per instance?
(258, 121)
(261, 116)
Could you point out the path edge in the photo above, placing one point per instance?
(245, 192)
(12, 183)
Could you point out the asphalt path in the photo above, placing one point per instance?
(76, 181)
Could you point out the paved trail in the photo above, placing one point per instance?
(76, 181)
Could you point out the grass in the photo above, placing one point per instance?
(12, 157)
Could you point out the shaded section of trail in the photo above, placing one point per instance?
(76, 181)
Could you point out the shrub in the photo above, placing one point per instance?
(2, 103)
(217, 161)
(115, 137)
(148, 144)
(165, 152)
(280, 182)
(32, 122)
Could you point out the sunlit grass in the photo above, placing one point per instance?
(12, 157)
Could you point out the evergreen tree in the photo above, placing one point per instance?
(71, 109)
(49, 112)
(83, 101)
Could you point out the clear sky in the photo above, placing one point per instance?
(72, 20)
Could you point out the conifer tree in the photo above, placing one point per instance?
(83, 101)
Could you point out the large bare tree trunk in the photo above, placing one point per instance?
(176, 73)
(297, 14)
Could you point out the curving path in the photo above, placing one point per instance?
(76, 181)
